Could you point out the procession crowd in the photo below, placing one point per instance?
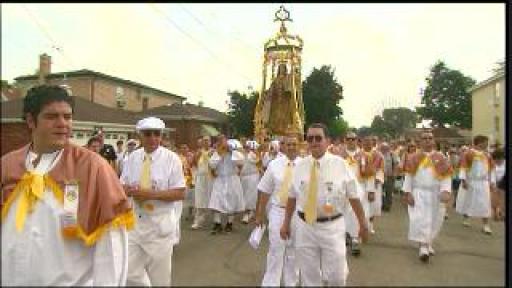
(106, 216)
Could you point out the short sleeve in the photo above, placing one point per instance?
(294, 188)
(351, 184)
(176, 176)
(266, 183)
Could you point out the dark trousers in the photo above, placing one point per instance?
(455, 189)
(388, 187)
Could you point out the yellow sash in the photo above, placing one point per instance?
(30, 189)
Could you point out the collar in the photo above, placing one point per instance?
(321, 159)
(153, 154)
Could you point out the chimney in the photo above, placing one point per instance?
(45, 62)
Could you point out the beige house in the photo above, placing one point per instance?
(488, 100)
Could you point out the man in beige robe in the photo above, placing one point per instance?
(64, 211)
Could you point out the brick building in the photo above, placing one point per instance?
(87, 117)
(110, 103)
(189, 122)
(99, 88)
(444, 137)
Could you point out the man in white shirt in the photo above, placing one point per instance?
(64, 211)
(274, 186)
(320, 186)
(153, 177)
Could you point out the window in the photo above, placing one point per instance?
(108, 135)
(120, 98)
(79, 135)
(114, 136)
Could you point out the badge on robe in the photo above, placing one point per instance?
(69, 217)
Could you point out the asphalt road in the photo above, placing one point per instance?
(464, 256)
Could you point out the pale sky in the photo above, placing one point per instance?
(381, 52)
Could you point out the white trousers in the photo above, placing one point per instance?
(321, 252)
(281, 253)
(143, 267)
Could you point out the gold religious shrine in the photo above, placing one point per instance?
(280, 109)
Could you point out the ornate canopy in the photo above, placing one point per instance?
(280, 109)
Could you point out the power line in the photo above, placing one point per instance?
(245, 44)
(47, 35)
(211, 53)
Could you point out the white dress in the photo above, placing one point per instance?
(203, 183)
(250, 177)
(427, 215)
(476, 200)
(351, 222)
(227, 192)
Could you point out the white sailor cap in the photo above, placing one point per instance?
(275, 144)
(234, 144)
(252, 144)
(150, 123)
(131, 141)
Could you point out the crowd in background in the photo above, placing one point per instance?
(394, 152)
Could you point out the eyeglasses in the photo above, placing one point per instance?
(152, 132)
(317, 138)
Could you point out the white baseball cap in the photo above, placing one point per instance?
(150, 123)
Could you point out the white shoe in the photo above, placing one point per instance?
(466, 223)
(487, 230)
(431, 250)
(245, 219)
(370, 228)
(424, 253)
(195, 226)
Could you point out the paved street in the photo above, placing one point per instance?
(464, 256)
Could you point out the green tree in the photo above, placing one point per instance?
(446, 98)
(394, 122)
(241, 113)
(339, 128)
(321, 95)
(364, 131)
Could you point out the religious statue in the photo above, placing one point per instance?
(280, 109)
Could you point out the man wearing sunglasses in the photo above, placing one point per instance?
(353, 156)
(321, 184)
(427, 187)
(153, 177)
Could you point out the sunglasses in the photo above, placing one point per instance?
(154, 132)
(350, 139)
(427, 138)
(317, 138)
